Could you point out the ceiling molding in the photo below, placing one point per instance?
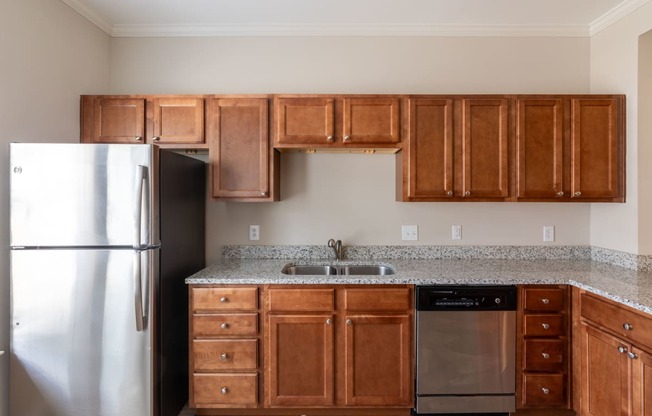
(90, 15)
(345, 30)
(615, 14)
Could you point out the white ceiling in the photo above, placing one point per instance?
(353, 17)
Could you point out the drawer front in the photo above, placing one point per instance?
(544, 354)
(544, 389)
(204, 325)
(231, 389)
(224, 298)
(543, 325)
(398, 299)
(301, 300)
(616, 319)
(220, 355)
(544, 299)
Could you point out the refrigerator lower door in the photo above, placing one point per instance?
(75, 350)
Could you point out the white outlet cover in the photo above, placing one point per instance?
(548, 233)
(254, 232)
(409, 233)
(456, 232)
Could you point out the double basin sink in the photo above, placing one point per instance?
(337, 270)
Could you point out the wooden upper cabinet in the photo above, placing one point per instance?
(173, 121)
(115, 120)
(539, 147)
(596, 148)
(485, 141)
(429, 154)
(238, 135)
(177, 120)
(337, 121)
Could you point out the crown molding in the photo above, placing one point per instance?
(345, 30)
(615, 14)
(89, 14)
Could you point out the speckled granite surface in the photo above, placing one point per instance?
(509, 265)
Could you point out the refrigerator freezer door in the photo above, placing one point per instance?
(74, 195)
(75, 350)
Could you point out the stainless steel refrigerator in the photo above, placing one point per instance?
(102, 238)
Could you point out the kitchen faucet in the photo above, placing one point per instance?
(337, 247)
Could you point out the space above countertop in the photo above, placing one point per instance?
(629, 287)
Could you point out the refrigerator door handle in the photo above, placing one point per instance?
(138, 293)
(141, 207)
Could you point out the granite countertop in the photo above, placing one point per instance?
(629, 287)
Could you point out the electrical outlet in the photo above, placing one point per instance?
(456, 232)
(410, 232)
(548, 233)
(254, 232)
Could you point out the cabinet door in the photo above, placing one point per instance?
(378, 365)
(177, 120)
(539, 132)
(118, 120)
(595, 155)
(485, 148)
(302, 121)
(300, 360)
(604, 374)
(371, 121)
(641, 383)
(430, 151)
(239, 147)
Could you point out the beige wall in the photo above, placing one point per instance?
(50, 55)
(645, 142)
(351, 197)
(614, 69)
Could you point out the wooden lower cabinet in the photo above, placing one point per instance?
(642, 383)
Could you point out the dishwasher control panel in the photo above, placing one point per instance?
(459, 298)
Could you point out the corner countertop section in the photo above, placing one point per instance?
(629, 287)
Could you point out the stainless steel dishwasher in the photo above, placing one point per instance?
(465, 350)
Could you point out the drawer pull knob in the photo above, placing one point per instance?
(560, 194)
(224, 356)
(467, 193)
(329, 321)
(628, 327)
(138, 138)
(156, 139)
(632, 356)
(224, 326)
(224, 390)
(349, 322)
(224, 299)
(330, 138)
(546, 356)
(545, 390)
(545, 326)
(347, 138)
(545, 301)
(577, 194)
(449, 193)
(622, 350)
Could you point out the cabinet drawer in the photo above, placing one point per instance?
(398, 299)
(544, 389)
(224, 298)
(300, 299)
(232, 389)
(220, 355)
(544, 354)
(543, 325)
(224, 324)
(544, 299)
(617, 319)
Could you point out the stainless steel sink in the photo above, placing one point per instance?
(325, 270)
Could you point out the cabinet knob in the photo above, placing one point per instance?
(263, 193)
(139, 138)
(632, 356)
(449, 193)
(545, 390)
(628, 327)
(224, 390)
(330, 138)
(329, 321)
(349, 322)
(560, 194)
(347, 138)
(545, 301)
(224, 356)
(545, 326)
(622, 350)
(578, 193)
(467, 193)
(224, 300)
(224, 326)
(546, 356)
(156, 139)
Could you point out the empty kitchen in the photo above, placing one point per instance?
(334, 208)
